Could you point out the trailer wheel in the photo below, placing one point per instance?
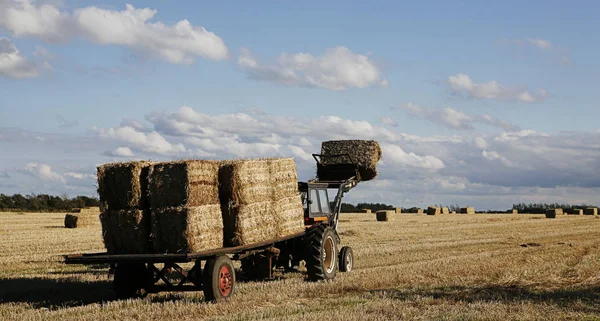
(346, 259)
(130, 279)
(321, 257)
(219, 279)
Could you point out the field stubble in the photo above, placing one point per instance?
(492, 267)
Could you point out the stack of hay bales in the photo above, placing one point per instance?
(432, 210)
(185, 207)
(554, 212)
(125, 217)
(590, 211)
(398, 210)
(384, 215)
(467, 210)
(259, 200)
(365, 153)
(445, 210)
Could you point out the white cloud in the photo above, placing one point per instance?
(540, 43)
(13, 64)
(396, 155)
(389, 121)
(337, 69)
(480, 142)
(462, 84)
(79, 175)
(121, 152)
(452, 118)
(43, 172)
(179, 43)
(151, 142)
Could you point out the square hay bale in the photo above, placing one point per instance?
(123, 185)
(590, 211)
(420, 211)
(289, 215)
(187, 183)
(467, 210)
(80, 220)
(554, 212)
(259, 200)
(432, 210)
(577, 212)
(515, 211)
(126, 231)
(445, 210)
(398, 210)
(383, 216)
(366, 210)
(90, 210)
(453, 212)
(187, 229)
(365, 153)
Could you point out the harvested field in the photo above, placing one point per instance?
(365, 153)
(451, 267)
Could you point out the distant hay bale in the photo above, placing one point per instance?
(577, 212)
(398, 210)
(187, 229)
(453, 212)
(383, 216)
(95, 210)
(123, 185)
(365, 153)
(366, 210)
(445, 210)
(420, 211)
(80, 220)
(126, 231)
(554, 212)
(187, 183)
(467, 210)
(432, 210)
(515, 211)
(590, 211)
(253, 211)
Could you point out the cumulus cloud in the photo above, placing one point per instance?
(179, 43)
(452, 118)
(462, 84)
(540, 43)
(389, 121)
(121, 152)
(13, 64)
(396, 155)
(337, 69)
(43, 172)
(152, 142)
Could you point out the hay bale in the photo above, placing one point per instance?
(90, 210)
(432, 210)
(453, 212)
(187, 229)
(187, 183)
(590, 211)
(515, 211)
(445, 210)
(398, 210)
(366, 210)
(420, 211)
(383, 216)
(254, 208)
(554, 212)
(577, 212)
(80, 220)
(123, 185)
(467, 210)
(365, 153)
(126, 231)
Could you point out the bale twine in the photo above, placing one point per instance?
(383, 216)
(590, 211)
(432, 210)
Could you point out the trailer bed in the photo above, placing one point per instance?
(99, 258)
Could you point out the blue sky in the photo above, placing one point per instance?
(490, 89)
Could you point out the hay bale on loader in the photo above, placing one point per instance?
(467, 210)
(184, 206)
(590, 211)
(125, 217)
(432, 210)
(365, 153)
(253, 211)
(75, 220)
(554, 212)
(384, 215)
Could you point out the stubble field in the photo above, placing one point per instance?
(491, 267)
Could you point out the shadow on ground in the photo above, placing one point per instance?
(54, 293)
(583, 299)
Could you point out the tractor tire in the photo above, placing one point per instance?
(219, 279)
(346, 259)
(321, 253)
(130, 279)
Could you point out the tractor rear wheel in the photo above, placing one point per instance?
(321, 256)
(346, 259)
(219, 279)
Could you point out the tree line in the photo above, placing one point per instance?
(540, 208)
(44, 202)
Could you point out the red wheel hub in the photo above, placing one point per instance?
(225, 281)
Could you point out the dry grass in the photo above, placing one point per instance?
(453, 267)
